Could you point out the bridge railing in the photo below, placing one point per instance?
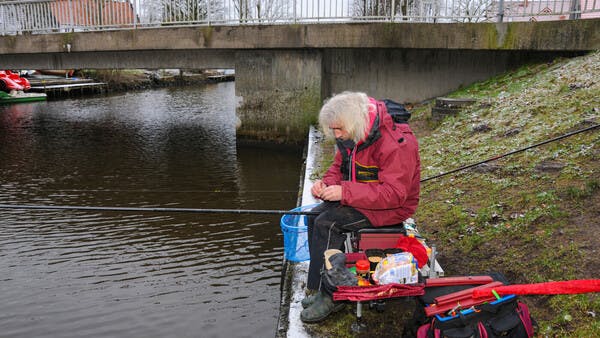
(49, 16)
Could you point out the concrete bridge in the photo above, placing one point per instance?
(283, 72)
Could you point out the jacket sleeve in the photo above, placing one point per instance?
(398, 171)
(333, 176)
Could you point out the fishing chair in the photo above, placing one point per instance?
(384, 238)
(374, 238)
(357, 242)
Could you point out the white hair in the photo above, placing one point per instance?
(350, 110)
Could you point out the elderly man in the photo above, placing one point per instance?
(373, 181)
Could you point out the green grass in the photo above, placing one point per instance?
(526, 217)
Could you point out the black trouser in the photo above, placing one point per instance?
(327, 231)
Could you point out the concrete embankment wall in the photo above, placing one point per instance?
(294, 274)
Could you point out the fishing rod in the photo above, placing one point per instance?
(270, 212)
(160, 191)
(151, 209)
(511, 153)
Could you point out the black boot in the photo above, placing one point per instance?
(320, 309)
(309, 299)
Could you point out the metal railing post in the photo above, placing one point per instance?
(295, 19)
(2, 7)
(575, 10)
(318, 10)
(392, 11)
(501, 11)
(71, 19)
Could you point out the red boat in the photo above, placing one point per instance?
(10, 81)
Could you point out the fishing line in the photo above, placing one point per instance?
(511, 153)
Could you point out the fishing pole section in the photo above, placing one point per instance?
(511, 153)
(150, 209)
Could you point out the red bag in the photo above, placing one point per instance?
(412, 245)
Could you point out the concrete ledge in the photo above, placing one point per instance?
(295, 274)
(289, 324)
(566, 35)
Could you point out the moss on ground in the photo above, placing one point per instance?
(533, 216)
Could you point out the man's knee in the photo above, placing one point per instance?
(323, 224)
(355, 226)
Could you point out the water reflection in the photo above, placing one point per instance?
(108, 274)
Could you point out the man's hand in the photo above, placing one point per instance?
(317, 188)
(332, 193)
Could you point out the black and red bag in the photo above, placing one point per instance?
(505, 317)
(447, 309)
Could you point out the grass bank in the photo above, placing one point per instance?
(533, 216)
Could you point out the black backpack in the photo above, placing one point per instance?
(397, 111)
(505, 317)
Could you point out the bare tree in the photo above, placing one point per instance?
(150, 11)
(181, 11)
(379, 8)
(424, 10)
(472, 10)
(242, 8)
(259, 10)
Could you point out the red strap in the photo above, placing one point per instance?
(523, 311)
(463, 304)
(423, 330)
(482, 330)
(466, 280)
(462, 295)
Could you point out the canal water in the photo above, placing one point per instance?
(139, 274)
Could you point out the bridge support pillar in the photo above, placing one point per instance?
(280, 93)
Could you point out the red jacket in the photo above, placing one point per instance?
(380, 176)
